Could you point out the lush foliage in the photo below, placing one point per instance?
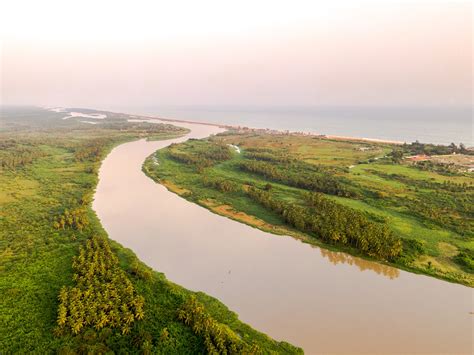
(432, 149)
(45, 223)
(90, 150)
(14, 154)
(76, 218)
(335, 224)
(370, 200)
(466, 259)
(322, 181)
(447, 204)
(222, 185)
(218, 338)
(203, 156)
(103, 295)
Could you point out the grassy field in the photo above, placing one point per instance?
(428, 210)
(48, 173)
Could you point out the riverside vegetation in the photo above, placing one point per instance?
(65, 287)
(363, 198)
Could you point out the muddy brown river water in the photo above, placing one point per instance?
(323, 301)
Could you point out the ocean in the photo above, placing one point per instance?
(438, 125)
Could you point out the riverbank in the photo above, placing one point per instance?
(46, 217)
(219, 189)
(288, 289)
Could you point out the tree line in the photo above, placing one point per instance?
(441, 168)
(202, 155)
(103, 295)
(15, 155)
(447, 204)
(426, 184)
(75, 218)
(218, 338)
(334, 223)
(223, 185)
(433, 149)
(453, 212)
(267, 156)
(92, 151)
(190, 159)
(321, 182)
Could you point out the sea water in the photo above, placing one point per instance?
(438, 125)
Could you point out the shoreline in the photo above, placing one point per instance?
(279, 131)
(249, 129)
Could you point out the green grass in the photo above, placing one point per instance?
(382, 198)
(36, 258)
(404, 225)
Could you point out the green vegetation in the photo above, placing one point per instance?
(218, 338)
(334, 224)
(432, 149)
(364, 198)
(65, 287)
(304, 176)
(103, 295)
(466, 259)
(201, 158)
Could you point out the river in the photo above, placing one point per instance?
(323, 301)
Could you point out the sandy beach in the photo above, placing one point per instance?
(276, 131)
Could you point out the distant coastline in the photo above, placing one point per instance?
(243, 127)
(429, 125)
(278, 131)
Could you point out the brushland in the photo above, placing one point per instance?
(67, 288)
(371, 200)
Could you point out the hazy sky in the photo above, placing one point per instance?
(260, 52)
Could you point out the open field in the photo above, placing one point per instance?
(48, 173)
(424, 210)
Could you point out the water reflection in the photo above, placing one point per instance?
(343, 258)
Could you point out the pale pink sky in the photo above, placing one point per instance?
(108, 53)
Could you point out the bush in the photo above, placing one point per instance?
(465, 258)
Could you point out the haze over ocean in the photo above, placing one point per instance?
(439, 125)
